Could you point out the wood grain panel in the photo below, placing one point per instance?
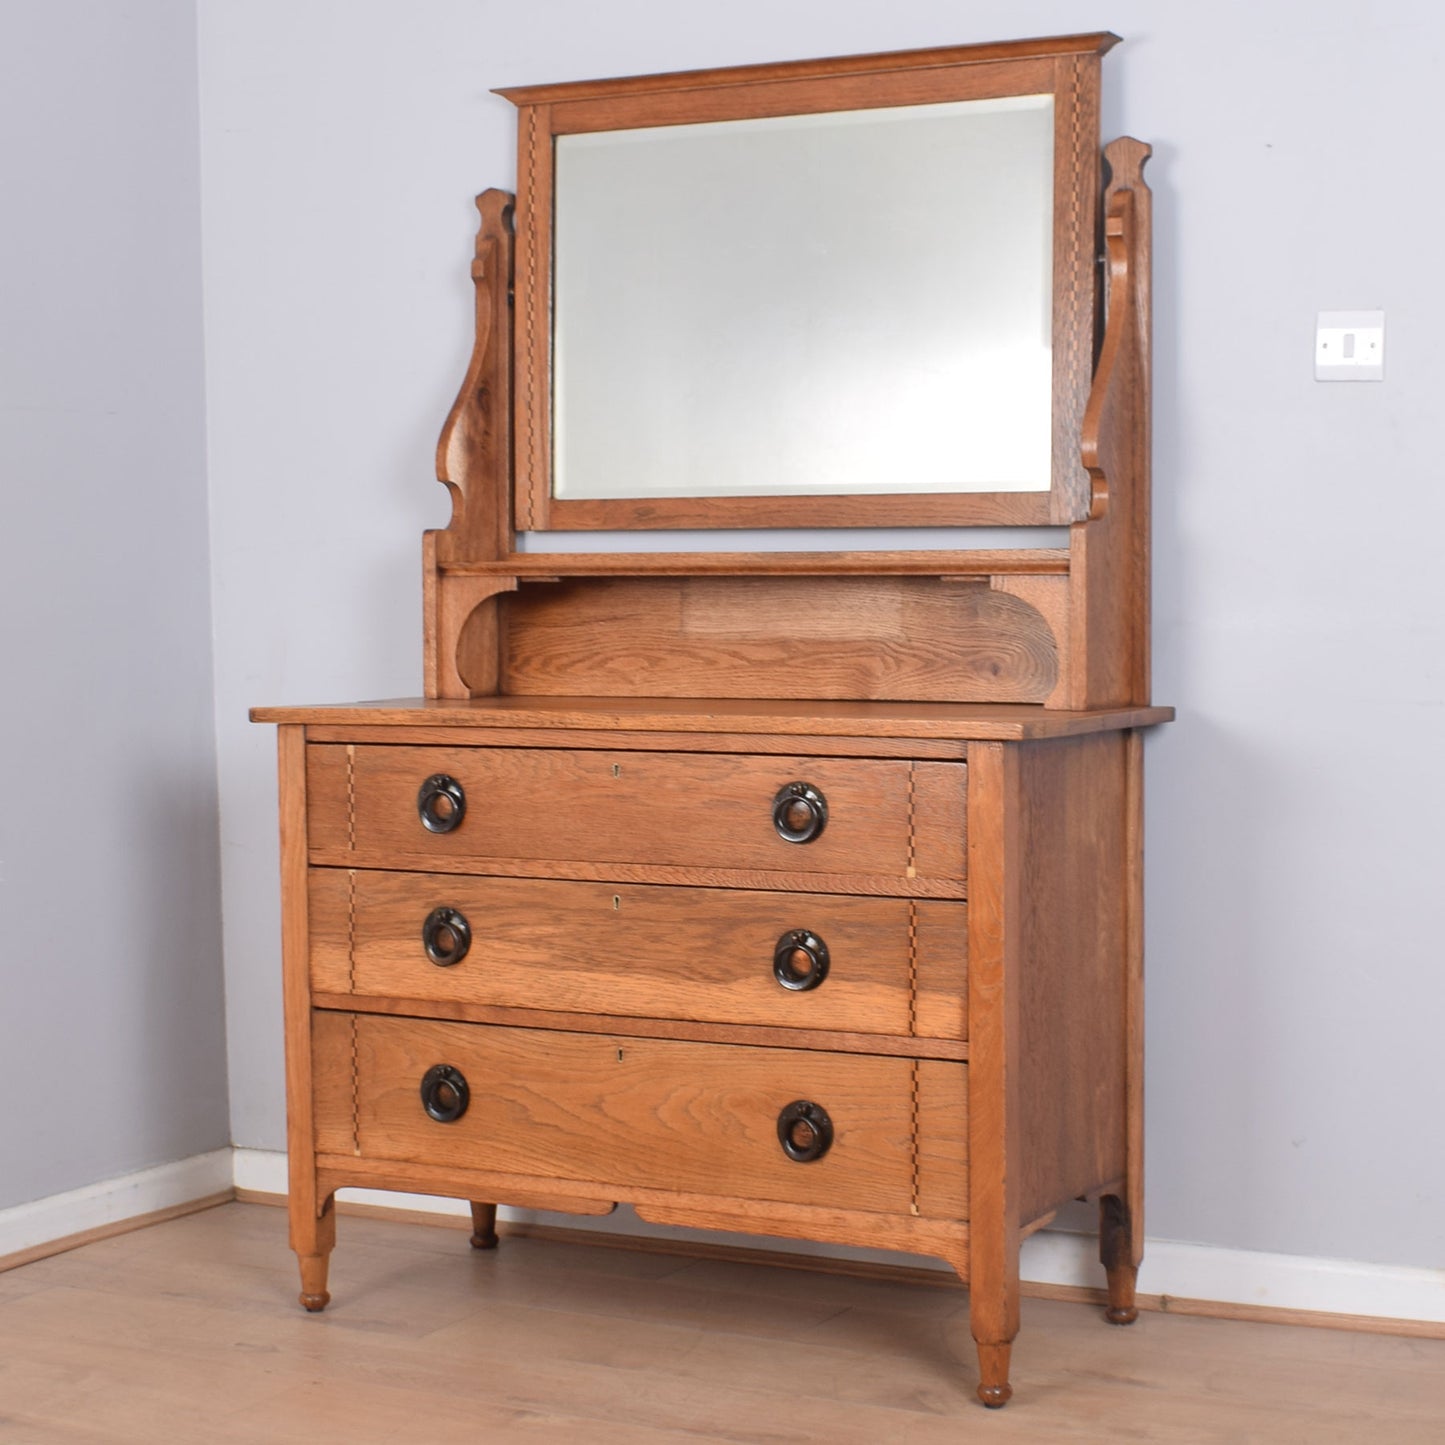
(625, 1112)
(877, 885)
(985, 562)
(940, 750)
(947, 1240)
(617, 807)
(888, 638)
(940, 984)
(880, 65)
(618, 949)
(1076, 212)
(893, 509)
(774, 717)
(937, 799)
(1072, 983)
(334, 1103)
(942, 1177)
(1109, 575)
(327, 797)
(762, 1035)
(329, 904)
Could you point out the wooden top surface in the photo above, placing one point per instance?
(1005, 722)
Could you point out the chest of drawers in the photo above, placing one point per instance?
(875, 986)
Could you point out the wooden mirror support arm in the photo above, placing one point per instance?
(1108, 639)
(474, 463)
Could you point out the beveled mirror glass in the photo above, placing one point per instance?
(822, 304)
(857, 292)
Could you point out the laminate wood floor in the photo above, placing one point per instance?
(189, 1331)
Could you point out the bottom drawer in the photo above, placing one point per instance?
(650, 1114)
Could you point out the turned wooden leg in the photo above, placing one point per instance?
(1118, 1256)
(484, 1226)
(313, 1237)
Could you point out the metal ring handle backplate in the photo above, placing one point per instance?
(441, 803)
(800, 812)
(444, 1093)
(805, 1131)
(446, 935)
(800, 961)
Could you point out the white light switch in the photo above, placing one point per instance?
(1350, 346)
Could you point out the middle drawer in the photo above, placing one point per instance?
(795, 960)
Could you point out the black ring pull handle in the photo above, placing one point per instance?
(446, 935)
(800, 961)
(441, 804)
(800, 812)
(805, 1131)
(444, 1093)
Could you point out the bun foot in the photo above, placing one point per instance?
(993, 1386)
(996, 1396)
(1121, 1314)
(313, 1294)
(484, 1226)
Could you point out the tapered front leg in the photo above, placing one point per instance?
(484, 1226)
(313, 1236)
(994, 870)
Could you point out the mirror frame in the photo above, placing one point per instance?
(1065, 67)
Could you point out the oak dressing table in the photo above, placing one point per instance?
(796, 893)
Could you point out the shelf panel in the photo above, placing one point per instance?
(1032, 561)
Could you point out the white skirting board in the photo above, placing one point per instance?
(1184, 1271)
(43, 1221)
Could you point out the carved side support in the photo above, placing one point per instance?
(474, 462)
(1109, 553)
(1049, 597)
(462, 656)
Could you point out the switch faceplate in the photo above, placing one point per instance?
(1350, 346)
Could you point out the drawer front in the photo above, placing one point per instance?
(704, 954)
(697, 810)
(651, 1114)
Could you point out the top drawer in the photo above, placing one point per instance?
(896, 819)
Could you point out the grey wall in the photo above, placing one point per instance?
(1294, 861)
(111, 1037)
